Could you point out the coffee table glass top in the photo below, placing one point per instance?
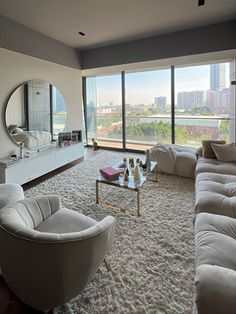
(131, 184)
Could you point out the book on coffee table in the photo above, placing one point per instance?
(110, 173)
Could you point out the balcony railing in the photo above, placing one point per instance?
(143, 132)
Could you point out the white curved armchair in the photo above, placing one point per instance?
(48, 253)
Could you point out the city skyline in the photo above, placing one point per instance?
(144, 87)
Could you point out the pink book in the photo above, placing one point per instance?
(110, 172)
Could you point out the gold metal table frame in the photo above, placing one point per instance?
(129, 185)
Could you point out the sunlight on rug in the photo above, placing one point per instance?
(153, 255)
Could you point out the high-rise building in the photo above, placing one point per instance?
(161, 101)
(219, 101)
(217, 76)
(191, 99)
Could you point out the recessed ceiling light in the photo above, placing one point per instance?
(81, 33)
(201, 2)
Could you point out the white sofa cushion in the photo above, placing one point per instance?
(175, 159)
(215, 166)
(215, 280)
(216, 194)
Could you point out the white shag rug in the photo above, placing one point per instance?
(152, 257)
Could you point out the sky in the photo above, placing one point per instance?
(143, 87)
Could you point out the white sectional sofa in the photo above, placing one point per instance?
(215, 223)
(215, 236)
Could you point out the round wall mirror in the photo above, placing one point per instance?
(35, 113)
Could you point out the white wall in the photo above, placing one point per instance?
(17, 68)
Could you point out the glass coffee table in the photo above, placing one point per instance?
(128, 185)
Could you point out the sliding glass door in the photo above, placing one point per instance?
(104, 110)
(148, 113)
(203, 106)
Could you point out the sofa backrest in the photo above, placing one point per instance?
(28, 213)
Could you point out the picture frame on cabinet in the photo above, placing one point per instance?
(77, 136)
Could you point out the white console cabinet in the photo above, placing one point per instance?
(43, 162)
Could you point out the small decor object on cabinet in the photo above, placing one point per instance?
(76, 136)
(94, 144)
(64, 138)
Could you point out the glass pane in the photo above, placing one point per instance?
(203, 107)
(104, 110)
(148, 109)
(59, 112)
(91, 108)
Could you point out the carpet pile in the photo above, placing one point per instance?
(153, 255)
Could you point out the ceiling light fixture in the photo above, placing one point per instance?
(201, 2)
(81, 33)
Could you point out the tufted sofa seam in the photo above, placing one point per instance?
(215, 231)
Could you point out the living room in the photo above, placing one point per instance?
(130, 75)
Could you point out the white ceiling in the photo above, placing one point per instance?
(113, 21)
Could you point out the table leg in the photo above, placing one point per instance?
(138, 202)
(97, 193)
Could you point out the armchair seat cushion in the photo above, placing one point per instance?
(216, 194)
(66, 221)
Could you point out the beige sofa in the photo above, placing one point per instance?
(175, 159)
(215, 224)
(215, 237)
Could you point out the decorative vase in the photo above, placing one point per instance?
(148, 160)
(136, 173)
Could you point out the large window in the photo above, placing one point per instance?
(104, 110)
(203, 106)
(184, 105)
(148, 113)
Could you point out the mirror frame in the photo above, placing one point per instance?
(51, 116)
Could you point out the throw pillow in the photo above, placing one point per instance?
(225, 152)
(207, 151)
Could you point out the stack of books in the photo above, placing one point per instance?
(30, 153)
(110, 173)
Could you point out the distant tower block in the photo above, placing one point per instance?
(217, 76)
(161, 101)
